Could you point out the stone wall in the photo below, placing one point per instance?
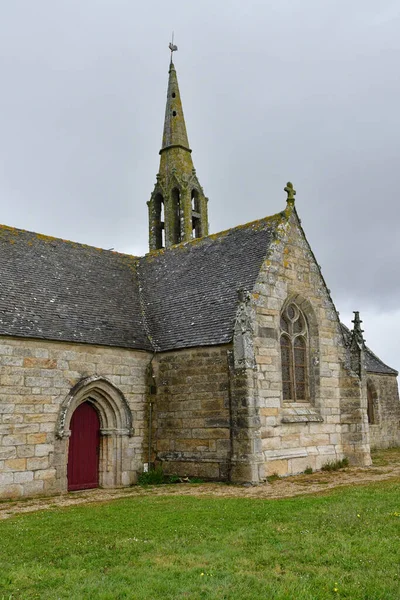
(36, 378)
(302, 434)
(353, 416)
(385, 430)
(191, 426)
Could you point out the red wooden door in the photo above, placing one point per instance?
(83, 453)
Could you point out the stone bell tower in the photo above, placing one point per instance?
(177, 207)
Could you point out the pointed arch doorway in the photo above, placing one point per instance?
(113, 427)
(84, 448)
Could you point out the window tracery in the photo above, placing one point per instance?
(294, 355)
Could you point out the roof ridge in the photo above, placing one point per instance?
(49, 238)
(368, 349)
(197, 241)
(65, 291)
(380, 360)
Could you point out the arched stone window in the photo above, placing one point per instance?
(294, 355)
(372, 398)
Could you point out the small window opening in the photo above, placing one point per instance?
(174, 113)
(173, 94)
(159, 221)
(196, 215)
(176, 216)
(371, 395)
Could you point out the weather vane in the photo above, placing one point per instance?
(172, 46)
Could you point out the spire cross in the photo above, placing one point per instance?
(291, 192)
(172, 46)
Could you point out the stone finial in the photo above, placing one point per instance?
(357, 347)
(291, 192)
(357, 333)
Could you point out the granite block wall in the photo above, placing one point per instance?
(384, 431)
(191, 426)
(36, 377)
(297, 435)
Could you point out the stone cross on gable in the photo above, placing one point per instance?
(291, 192)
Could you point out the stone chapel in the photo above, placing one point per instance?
(218, 356)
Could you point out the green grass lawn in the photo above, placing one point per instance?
(345, 544)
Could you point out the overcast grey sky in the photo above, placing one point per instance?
(272, 91)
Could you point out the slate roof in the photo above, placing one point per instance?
(177, 298)
(373, 364)
(59, 290)
(191, 289)
(182, 297)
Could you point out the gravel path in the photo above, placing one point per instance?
(386, 467)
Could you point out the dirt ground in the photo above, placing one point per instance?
(386, 466)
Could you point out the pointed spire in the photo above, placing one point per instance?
(177, 207)
(174, 123)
